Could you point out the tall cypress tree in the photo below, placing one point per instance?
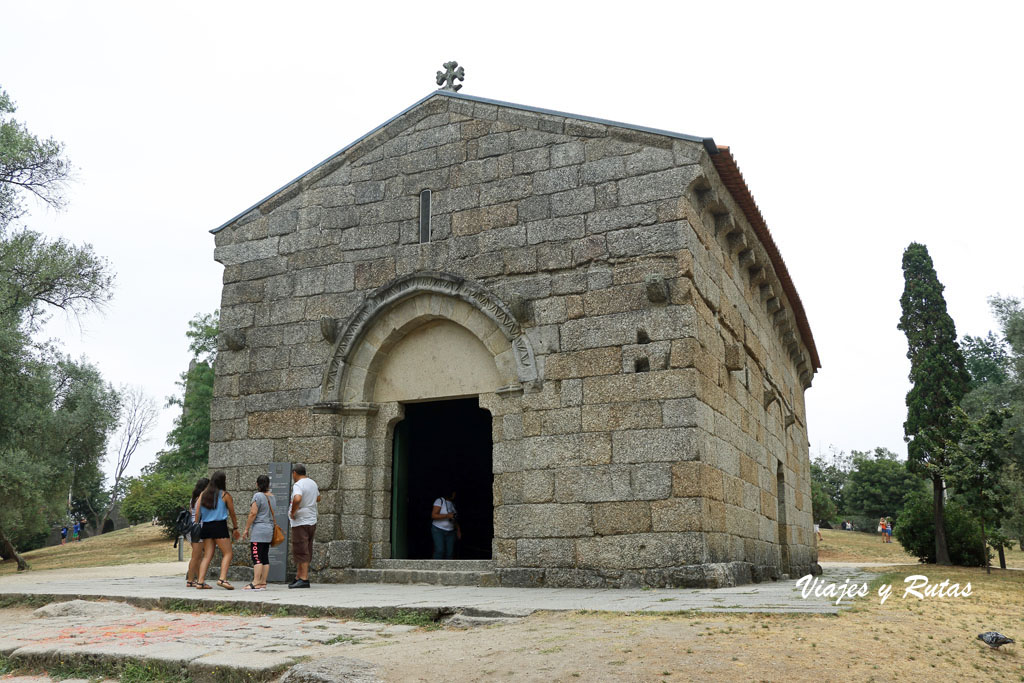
(939, 378)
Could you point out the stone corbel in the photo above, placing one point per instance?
(329, 329)
(657, 288)
(234, 339)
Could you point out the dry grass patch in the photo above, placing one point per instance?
(902, 640)
(142, 543)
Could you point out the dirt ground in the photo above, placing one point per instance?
(902, 640)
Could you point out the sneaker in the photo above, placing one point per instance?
(299, 583)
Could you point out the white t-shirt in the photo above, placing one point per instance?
(306, 514)
(446, 507)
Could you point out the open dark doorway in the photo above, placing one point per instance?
(438, 447)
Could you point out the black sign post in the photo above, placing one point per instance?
(280, 490)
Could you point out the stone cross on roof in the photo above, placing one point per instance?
(448, 77)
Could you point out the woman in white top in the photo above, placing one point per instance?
(444, 528)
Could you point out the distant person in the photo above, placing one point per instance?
(302, 516)
(444, 527)
(192, 573)
(817, 531)
(213, 509)
(888, 531)
(76, 528)
(64, 534)
(881, 528)
(261, 525)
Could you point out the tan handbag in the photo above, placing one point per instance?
(278, 537)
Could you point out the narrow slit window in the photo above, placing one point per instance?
(424, 216)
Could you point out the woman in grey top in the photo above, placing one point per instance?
(261, 527)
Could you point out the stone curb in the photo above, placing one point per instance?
(202, 668)
(435, 613)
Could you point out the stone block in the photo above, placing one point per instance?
(555, 229)
(659, 185)
(546, 552)
(620, 217)
(617, 329)
(561, 421)
(697, 479)
(627, 517)
(647, 445)
(648, 239)
(566, 154)
(343, 554)
(572, 202)
(587, 363)
(546, 520)
(679, 514)
(241, 452)
(640, 386)
(472, 221)
(505, 190)
(593, 484)
(620, 416)
(641, 551)
(556, 180)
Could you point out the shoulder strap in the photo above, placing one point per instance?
(270, 505)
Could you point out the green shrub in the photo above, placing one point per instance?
(157, 495)
(915, 530)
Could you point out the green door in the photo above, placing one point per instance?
(400, 492)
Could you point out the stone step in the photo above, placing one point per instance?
(432, 577)
(437, 565)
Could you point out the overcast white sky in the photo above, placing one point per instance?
(859, 129)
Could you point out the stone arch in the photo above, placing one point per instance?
(393, 311)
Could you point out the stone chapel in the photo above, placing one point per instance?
(583, 327)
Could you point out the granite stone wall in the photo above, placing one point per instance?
(652, 373)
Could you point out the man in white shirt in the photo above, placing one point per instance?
(302, 518)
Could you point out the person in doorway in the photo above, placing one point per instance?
(213, 509)
(192, 573)
(64, 534)
(260, 525)
(444, 527)
(302, 515)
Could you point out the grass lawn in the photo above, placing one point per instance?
(137, 544)
(857, 546)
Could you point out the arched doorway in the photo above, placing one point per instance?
(440, 447)
(423, 339)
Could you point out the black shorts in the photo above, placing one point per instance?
(260, 552)
(218, 529)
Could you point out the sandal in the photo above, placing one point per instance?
(203, 586)
(248, 587)
(223, 583)
(189, 583)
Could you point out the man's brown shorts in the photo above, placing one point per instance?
(302, 542)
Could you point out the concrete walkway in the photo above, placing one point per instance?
(143, 585)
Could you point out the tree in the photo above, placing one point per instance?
(914, 529)
(830, 475)
(878, 485)
(189, 440)
(27, 165)
(54, 413)
(938, 376)
(138, 417)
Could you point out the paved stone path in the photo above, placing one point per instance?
(202, 643)
(154, 591)
(207, 643)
